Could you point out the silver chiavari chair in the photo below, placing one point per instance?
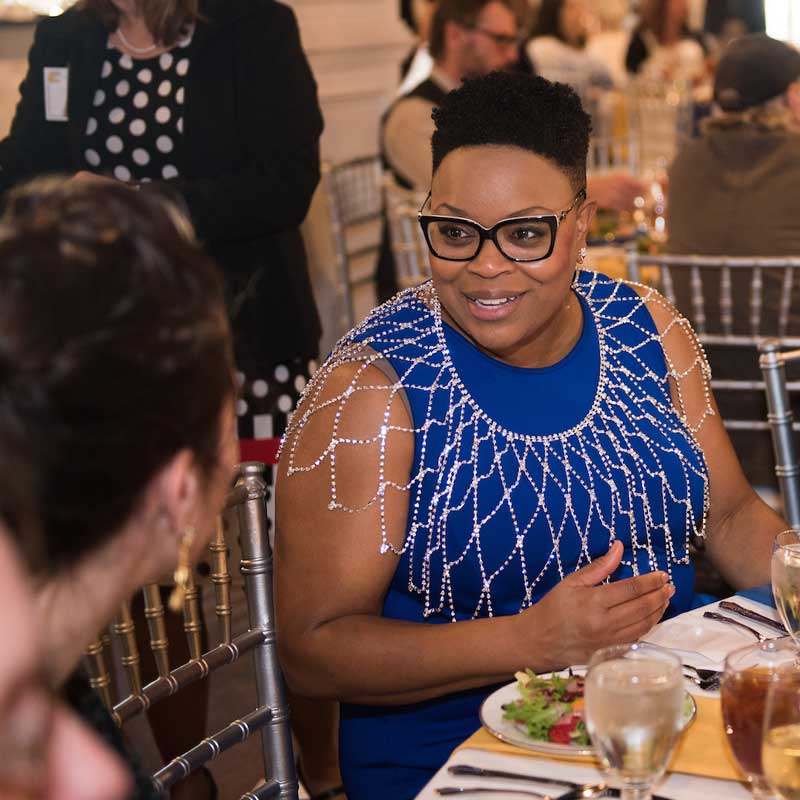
(725, 301)
(355, 205)
(773, 364)
(245, 512)
(409, 248)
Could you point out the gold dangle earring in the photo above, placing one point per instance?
(183, 570)
(582, 256)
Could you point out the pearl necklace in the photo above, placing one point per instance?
(139, 51)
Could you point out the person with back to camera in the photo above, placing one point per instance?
(120, 409)
(213, 100)
(479, 456)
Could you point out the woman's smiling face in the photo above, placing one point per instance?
(522, 313)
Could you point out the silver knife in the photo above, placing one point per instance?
(748, 613)
(466, 769)
(589, 791)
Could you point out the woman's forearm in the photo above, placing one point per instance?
(740, 545)
(374, 660)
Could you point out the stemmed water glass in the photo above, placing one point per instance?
(634, 701)
(786, 580)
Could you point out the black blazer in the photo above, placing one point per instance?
(248, 167)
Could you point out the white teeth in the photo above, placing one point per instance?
(494, 303)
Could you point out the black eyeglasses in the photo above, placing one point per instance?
(517, 238)
(500, 39)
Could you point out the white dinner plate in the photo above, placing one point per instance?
(491, 716)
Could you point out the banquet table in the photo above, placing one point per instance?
(702, 767)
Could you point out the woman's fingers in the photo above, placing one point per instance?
(631, 589)
(599, 569)
(641, 608)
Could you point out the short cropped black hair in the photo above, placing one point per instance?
(506, 108)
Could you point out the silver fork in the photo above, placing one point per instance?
(728, 621)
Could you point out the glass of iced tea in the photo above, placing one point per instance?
(780, 750)
(786, 580)
(745, 682)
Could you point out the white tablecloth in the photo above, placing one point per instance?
(689, 631)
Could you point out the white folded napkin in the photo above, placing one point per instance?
(706, 642)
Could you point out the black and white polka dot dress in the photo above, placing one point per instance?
(135, 129)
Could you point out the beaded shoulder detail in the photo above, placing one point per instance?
(645, 413)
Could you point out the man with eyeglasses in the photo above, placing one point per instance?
(468, 38)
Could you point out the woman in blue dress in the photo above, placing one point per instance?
(501, 468)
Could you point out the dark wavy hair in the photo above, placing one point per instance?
(167, 20)
(115, 354)
(508, 108)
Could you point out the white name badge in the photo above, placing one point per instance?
(56, 84)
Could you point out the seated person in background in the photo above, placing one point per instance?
(48, 754)
(485, 449)
(735, 190)
(557, 47)
(662, 48)
(117, 375)
(468, 38)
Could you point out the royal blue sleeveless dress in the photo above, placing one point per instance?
(520, 477)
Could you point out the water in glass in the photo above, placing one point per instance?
(634, 699)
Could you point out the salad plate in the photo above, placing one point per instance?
(494, 718)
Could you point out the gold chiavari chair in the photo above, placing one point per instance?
(245, 512)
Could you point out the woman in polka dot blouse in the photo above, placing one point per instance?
(212, 101)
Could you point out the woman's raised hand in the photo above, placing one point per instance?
(582, 614)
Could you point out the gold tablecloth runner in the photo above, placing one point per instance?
(702, 750)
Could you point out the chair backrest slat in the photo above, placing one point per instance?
(726, 300)
(125, 633)
(756, 285)
(187, 674)
(698, 303)
(786, 301)
(154, 613)
(99, 676)
(238, 731)
(192, 625)
(221, 578)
